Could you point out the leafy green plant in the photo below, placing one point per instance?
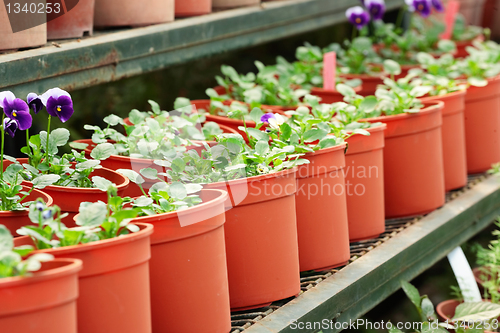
(307, 71)
(489, 260)
(150, 135)
(263, 88)
(232, 159)
(470, 317)
(96, 221)
(161, 197)
(11, 262)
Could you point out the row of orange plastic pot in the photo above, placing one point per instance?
(277, 224)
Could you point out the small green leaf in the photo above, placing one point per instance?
(102, 183)
(132, 176)
(392, 67)
(149, 173)
(476, 311)
(412, 293)
(256, 114)
(262, 147)
(102, 151)
(91, 214)
(177, 191)
(6, 239)
(314, 134)
(42, 181)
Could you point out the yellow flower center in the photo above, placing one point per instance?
(420, 7)
(14, 113)
(58, 108)
(358, 20)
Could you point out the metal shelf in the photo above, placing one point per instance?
(352, 291)
(113, 55)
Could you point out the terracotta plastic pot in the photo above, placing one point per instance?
(75, 22)
(261, 239)
(189, 289)
(42, 302)
(234, 3)
(364, 175)
(330, 96)
(35, 36)
(321, 210)
(15, 220)
(413, 162)
(370, 83)
(482, 126)
(453, 131)
(184, 8)
(114, 283)
(110, 13)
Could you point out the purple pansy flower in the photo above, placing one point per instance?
(438, 5)
(376, 8)
(265, 118)
(358, 16)
(16, 109)
(34, 102)
(10, 126)
(58, 103)
(423, 7)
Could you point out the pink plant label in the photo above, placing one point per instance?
(329, 70)
(449, 18)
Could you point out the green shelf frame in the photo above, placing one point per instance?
(360, 286)
(114, 55)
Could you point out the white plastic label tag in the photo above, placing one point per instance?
(463, 274)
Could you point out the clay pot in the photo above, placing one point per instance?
(261, 239)
(184, 8)
(113, 284)
(42, 302)
(74, 23)
(482, 126)
(364, 175)
(32, 37)
(189, 289)
(17, 219)
(413, 162)
(453, 131)
(234, 3)
(321, 210)
(370, 82)
(110, 13)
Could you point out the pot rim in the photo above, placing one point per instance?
(429, 107)
(340, 146)
(73, 266)
(146, 231)
(253, 179)
(427, 99)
